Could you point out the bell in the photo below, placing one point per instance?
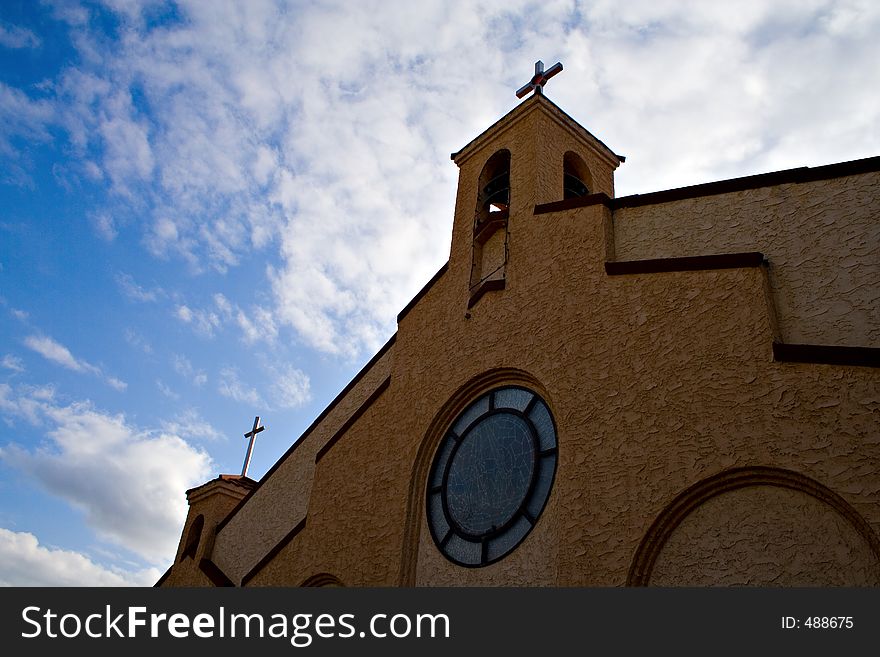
(573, 187)
(496, 193)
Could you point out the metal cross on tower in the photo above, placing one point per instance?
(540, 78)
(252, 434)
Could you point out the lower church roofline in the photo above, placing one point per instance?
(785, 176)
(427, 286)
(782, 177)
(305, 434)
(162, 579)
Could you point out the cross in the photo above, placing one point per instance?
(540, 78)
(252, 434)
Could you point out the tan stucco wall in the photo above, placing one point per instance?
(822, 239)
(282, 499)
(537, 138)
(214, 501)
(656, 382)
(353, 526)
(801, 542)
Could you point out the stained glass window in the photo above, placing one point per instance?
(491, 476)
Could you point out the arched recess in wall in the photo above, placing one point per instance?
(415, 509)
(494, 187)
(752, 492)
(322, 579)
(193, 536)
(490, 220)
(577, 180)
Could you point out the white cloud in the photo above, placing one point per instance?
(20, 315)
(57, 353)
(27, 404)
(258, 325)
(203, 322)
(184, 367)
(290, 387)
(13, 36)
(236, 139)
(223, 304)
(184, 314)
(116, 384)
(22, 118)
(127, 481)
(68, 11)
(11, 406)
(13, 363)
(128, 156)
(190, 424)
(285, 385)
(93, 172)
(138, 341)
(166, 391)
(24, 562)
(232, 387)
(104, 225)
(135, 292)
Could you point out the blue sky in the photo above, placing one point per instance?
(213, 210)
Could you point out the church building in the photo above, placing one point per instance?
(678, 388)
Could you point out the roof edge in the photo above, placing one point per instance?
(305, 434)
(743, 183)
(518, 113)
(228, 482)
(425, 289)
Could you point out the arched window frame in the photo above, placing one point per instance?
(193, 537)
(492, 212)
(493, 190)
(577, 180)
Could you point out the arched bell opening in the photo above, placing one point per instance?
(576, 178)
(193, 536)
(490, 223)
(493, 198)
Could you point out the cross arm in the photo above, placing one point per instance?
(553, 70)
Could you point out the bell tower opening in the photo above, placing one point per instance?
(576, 178)
(494, 196)
(193, 537)
(490, 222)
(534, 155)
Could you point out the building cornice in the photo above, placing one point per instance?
(525, 109)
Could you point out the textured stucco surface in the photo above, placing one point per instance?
(822, 240)
(282, 499)
(214, 501)
(656, 382)
(352, 524)
(492, 256)
(766, 536)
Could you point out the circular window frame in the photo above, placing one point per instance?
(497, 542)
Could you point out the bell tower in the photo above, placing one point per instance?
(535, 154)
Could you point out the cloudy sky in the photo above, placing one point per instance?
(211, 210)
